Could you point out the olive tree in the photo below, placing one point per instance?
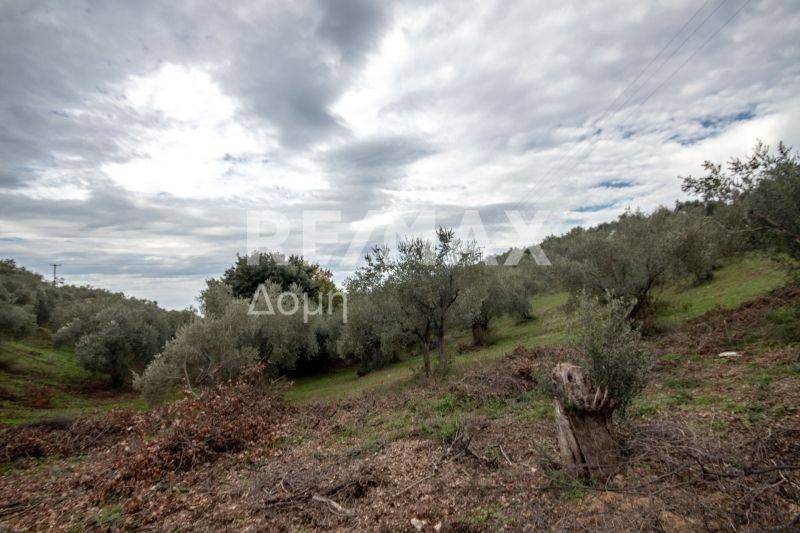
(376, 331)
(502, 291)
(124, 338)
(16, 321)
(433, 284)
(25, 300)
(412, 296)
(373, 335)
(764, 192)
(233, 334)
(634, 255)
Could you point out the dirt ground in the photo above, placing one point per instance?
(713, 444)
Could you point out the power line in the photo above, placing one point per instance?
(710, 37)
(672, 74)
(557, 169)
(674, 52)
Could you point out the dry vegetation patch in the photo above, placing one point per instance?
(63, 436)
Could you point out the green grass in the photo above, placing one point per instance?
(33, 367)
(549, 327)
(733, 284)
(784, 324)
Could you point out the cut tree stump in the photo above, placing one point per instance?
(583, 423)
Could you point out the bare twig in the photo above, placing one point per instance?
(332, 504)
(505, 455)
(415, 483)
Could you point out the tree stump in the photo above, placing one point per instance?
(583, 423)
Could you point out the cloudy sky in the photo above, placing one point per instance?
(135, 137)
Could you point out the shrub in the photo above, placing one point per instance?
(120, 339)
(612, 348)
(16, 321)
(20, 291)
(204, 352)
(220, 345)
(68, 333)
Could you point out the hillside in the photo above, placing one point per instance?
(38, 381)
(736, 282)
(708, 433)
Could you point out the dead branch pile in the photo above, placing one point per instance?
(65, 437)
(192, 432)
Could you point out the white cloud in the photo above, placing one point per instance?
(199, 147)
(151, 136)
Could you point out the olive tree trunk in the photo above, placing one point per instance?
(426, 357)
(442, 367)
(583, 423)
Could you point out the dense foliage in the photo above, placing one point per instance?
(417, 295)
(248, 272)
(112, 334)
(232, 336)
(374, 335)
(763, 193)
(25, 300)
(632, 256)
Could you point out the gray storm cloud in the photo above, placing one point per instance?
(366, 106)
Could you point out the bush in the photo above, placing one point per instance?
(20, 294)
(16, 321)
(612, 348)
(68, 333)
(220, 345)
(203, 352)
(120, 339)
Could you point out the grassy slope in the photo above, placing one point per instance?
(32, 370)
(733, 284)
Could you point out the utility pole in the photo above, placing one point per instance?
(55, 279)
